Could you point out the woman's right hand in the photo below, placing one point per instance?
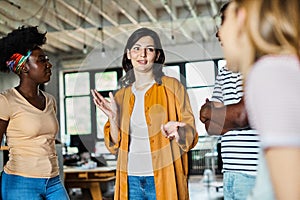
(109, 108)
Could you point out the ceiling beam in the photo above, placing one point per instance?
(50, 49)
(214, 8)
(4, 29)
(197, 20)
(91, 16)
(23, 18)
(171, 10)
(148, 8)
(126, 10)
(13, 24)
(69, 18)
(71, 24)
(103, 7)
(150, 11)
(111, 17)
(53, 21)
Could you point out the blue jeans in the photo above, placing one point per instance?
(141, 188)
(16, 187)
(237, 186)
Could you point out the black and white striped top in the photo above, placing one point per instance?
(239, 148)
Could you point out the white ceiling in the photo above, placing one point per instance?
(74, 24)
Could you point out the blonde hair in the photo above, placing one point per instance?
(273, 25)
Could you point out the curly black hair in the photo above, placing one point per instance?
(20, 41)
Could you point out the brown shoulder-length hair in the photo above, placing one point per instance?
(273, 25)
(129, 77)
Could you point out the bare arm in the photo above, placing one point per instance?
(220, 119)
(3, 127)
(283, 164)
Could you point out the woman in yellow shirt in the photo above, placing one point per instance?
(150, 124)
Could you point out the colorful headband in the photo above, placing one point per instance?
(17, 62)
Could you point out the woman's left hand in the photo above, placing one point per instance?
(170, 129)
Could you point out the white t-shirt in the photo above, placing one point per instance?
(139, 155)
(273, 100)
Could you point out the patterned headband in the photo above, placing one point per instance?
(17, 62)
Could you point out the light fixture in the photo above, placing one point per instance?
(84, 50)
(172, 23)
(102, 34)
(103, 52)
(103, 47)
(15, 5)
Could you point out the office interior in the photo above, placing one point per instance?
(85, 41)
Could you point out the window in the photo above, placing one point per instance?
(200, 79)
(82, 120)
(77, 103)
(172, 71)
(200, 74)
(78, 115)
(104, 81)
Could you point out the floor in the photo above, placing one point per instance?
(197, 187)
(199, 190)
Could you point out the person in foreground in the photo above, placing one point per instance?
(226, 115)
(28, 119)
(150, 124)
(261, 38)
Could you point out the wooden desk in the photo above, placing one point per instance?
(88, 178)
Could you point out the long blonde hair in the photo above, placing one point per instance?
(273, 25)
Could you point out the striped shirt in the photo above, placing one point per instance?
(239, 148)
